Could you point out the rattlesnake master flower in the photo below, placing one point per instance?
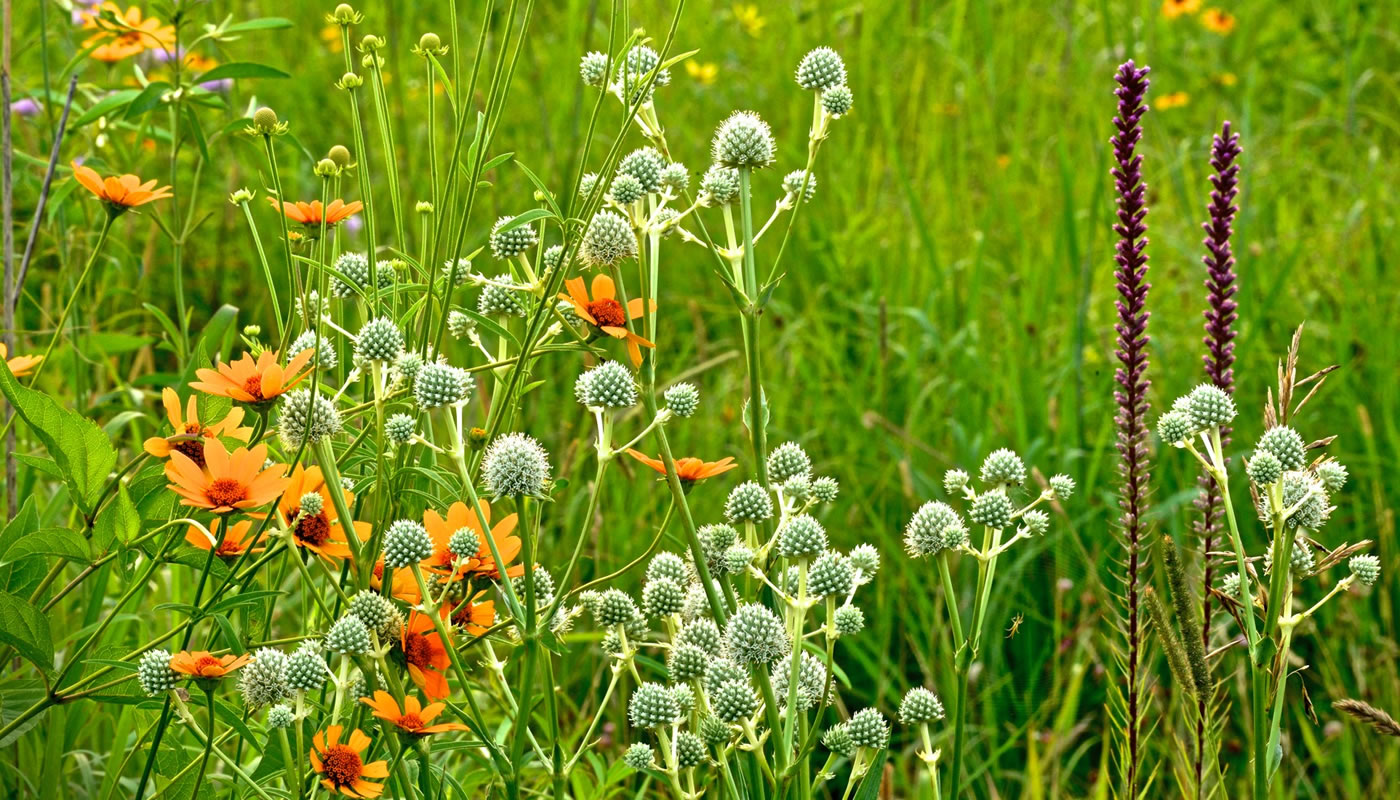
(850, 620)
(406, 543)
(682, 399)
(666, 565)
(399, 428)
(263, 680)
(587, 184)
(1332, 474)
(325, 356)
(626, 189)
(685, 697)
(348, 636)
(792, 184)
(868, 728)
(662, 598)
(1286, 445)
(437, 385)
(798, 487)
(632, 74)
(721, 671)
(379, 340)
(408, 363)
(306, 417)
(280, 716)
(516, 465)
(1036, 521)
(1062, 486)
(1210, 406)
(306, 669)
(920, 706)
(801, 537)
(355, 268)
(459, 273)
(720, 183)
(1305, 496)
(716, 732)
(924, 535)
(509, 243)
(686, 662)
(734, 700)
(748, 502)
(376, 612)
(464, 543)
(825, 489)
(991, 510)
(639, 757)
(498, 300)
(837, 101)
(614, 607)
(608, 240)
(1366, 568)
(837, 739)
(608, 385)
(786, 460)
(652, 705)
(645, 164)
(154, 674)
(1264, 468)
(703, 633)
(955, 480)
(866, 559)
(675, 177)
(811, 679)
(744, 140)
(1003, 467)
(1230, 585)
(821, 69)
(690, 751)
(593, 68)
(755, 635)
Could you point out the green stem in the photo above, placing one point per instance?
(77, 290)
(208, 746)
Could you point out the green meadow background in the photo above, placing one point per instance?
(949, 291)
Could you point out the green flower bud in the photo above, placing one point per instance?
(608, 241)
(652, 705)
(920, 706)
(837, 101)
(1263, 468)
(639, 757)
(682, 399)
(1003, 468)
(821, 69)
(744, 140)
(868, 728)
(511, 242)
(1366, 568)
(593, 68)
(850, 620)
(516, 465)
(991, 509)
(1286, 445)
(348, 636)
(748, 502)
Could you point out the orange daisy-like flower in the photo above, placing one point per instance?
(689, 470)
(426, 655)
(226, 482)
(19, 365)
(119, 194)
(1171, 9)
(129, 35)
(232, 544)
(602, 310)
(460, 516)
(341, 766)
(256, 383)
(190, 433)
(405, 586)
(1218, 20)
(318, 533)
(413, 718)
(311, 213)
(474, 615)
(203, 664)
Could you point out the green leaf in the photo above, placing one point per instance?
(240, 69)
(261, 24)
(105, 106)
(526, 218)
(82, 450)
(60, 542)
(150, 98)
(118, 522)
(24, 628)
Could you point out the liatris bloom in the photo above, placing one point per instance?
(19, 365)
(119, 194)
(190, 433)
(227, 481)
(604, 312)
(257, 383)
(413, 718)
(689, 470)
(1131, 396)
(426, 655)
(202, 664)
(341, 765)
(127, 35)
(460, 517)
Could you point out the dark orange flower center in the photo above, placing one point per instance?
(226, 492)
(462, 615)
(205, 662)
(313, 530)
(253, 386)
(228, 547)
(418, 650)
(342, 765)
(608, 312)
(410, 722)
(192, 448)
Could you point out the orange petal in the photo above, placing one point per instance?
(604, 288)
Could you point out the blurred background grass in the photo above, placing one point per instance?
(949, 291)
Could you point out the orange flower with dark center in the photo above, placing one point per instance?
(426, 655)
(474, 615)
(190, 434)
(232, 544)
(459, 516)
(119, 194)
(256, 383)
(311, 213)
(413, 718)
(19, 365)
(602, 310)
(320, 533)
(127, 36)
(405, 586)
(203, 664)
(1218, 21)
(1171, 9)
(341, 766)
(228, 481)
(689, 470)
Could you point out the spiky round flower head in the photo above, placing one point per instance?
(263, 681)
(793, 184)
(1366, 568)
(675, 176)
(457, 273)
(348, 636)
(459, 324)
(743, 140)
(645, 164)
(786, 460)
(850, 620)
(790, 581)
(379, 340)
(399, 428)
(662, 597)
(734, 700)
(837, 101)
(868, 728)
(280, 716)
(954, 481)
(495, 299)
(722, 670)
(325, 356)
(154, 674)
(920, 706)
(1305, 496)
(306, 417)
(652, 705)
(1230, 585)
(464, 543)
(748, 502)
(666, 565)
(686, 662)
(690, 750)
(587, 184)
(516, 466)
(923, 536)
(437, 385)
(802, 536)
(1003, 467)
(306, 669)
(811, 679)
(701, 633)
(1061, 486)
(639, 757)
(1037, 522)
(544, 585)
(798, 487)
(755, 635)
(821, 69)
(1210, 407)
(355, 269)
(1263, 468)
(593, 68)
(406, 543)
(825, 489)
(373, 608)
(682, 399)
(632, 74)
(866, 559)
(716, 732)
(837, 739)
(1286, 445)
(509, 242)
(625, 189)
(408, 363)
(685, 698)
(614, 607)
(1301, 558)
(609, 385)
(991, 509)
(1332, 474)
(721, 183)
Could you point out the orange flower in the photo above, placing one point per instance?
(426, 655)
(414, 718)
(19, 365)
(257, 383)
(1172, 100)
(605, 313)
(319, 534)
(1218, 21)
(119, 194)
(405, 585)
(232, 544)
(310, 213)
(190, 433)
(227, 482)
(1171, 9)
(690, 470)
(474, 615)
(344, 770)
(459, 516)
(129, 35)
(203, 664)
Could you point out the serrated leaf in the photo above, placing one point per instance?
(26, 629)
(60, 542)
(80, 448)
(117, 522)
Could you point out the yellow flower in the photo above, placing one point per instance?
(1004, 160)
(1173, 100)
(1218, 21)
(749, 19)
(1171, 9)
(703, 73)
(331, 36)
(1226, 79)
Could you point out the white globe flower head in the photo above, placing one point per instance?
(744, 141)
(516, 466)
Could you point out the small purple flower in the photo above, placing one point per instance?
(25, 107)
(222, 85)
(354, 224)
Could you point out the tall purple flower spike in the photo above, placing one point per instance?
(1131, 395)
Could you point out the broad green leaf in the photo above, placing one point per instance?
(150, 98)
(24, 628)
(240, 69)
(117, 522)
(105, 106)
(19, 528)
(60, 542)
(17, 697)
